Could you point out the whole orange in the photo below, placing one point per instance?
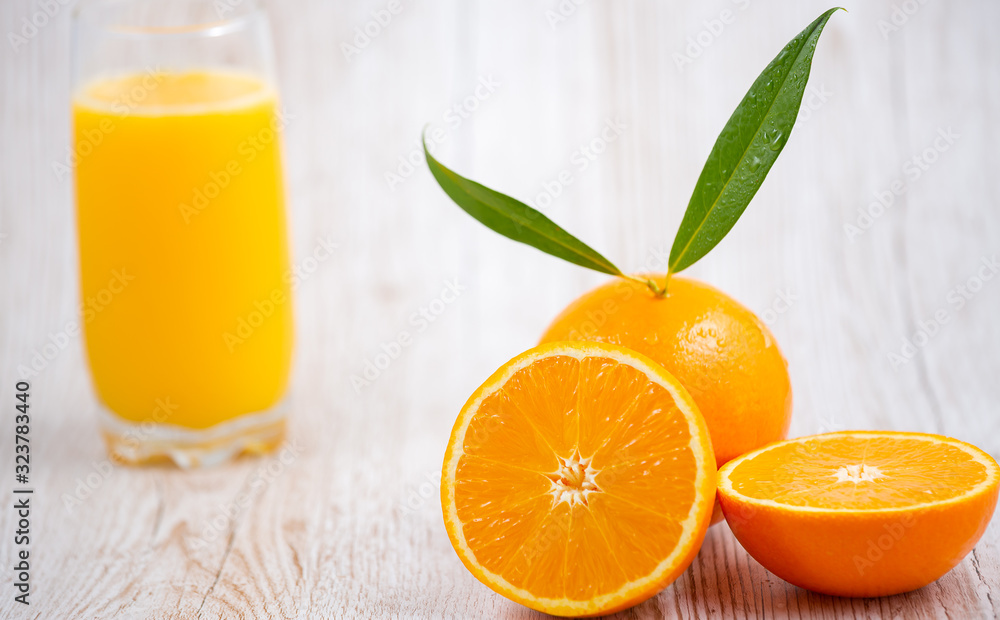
(719, 350)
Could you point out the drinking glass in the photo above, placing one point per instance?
(185, 308)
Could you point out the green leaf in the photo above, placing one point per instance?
(746, 149)
(516, 220)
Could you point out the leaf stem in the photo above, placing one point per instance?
(653, 286)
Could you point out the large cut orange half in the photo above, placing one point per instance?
(860, 513)
(579, 479)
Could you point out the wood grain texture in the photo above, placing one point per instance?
(349, 524)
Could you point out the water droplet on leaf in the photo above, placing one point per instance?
(776, 141)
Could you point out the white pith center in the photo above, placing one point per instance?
(858, 473)
(574, 481)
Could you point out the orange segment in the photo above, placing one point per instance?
(579, 479)
(860, 513)
(560, 376)
(502, 433)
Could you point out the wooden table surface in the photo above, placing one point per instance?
(346, 521)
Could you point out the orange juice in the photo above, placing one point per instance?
(183, 246)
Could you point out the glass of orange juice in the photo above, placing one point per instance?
(183, 249)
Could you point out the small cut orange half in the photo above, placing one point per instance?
(860, 513)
